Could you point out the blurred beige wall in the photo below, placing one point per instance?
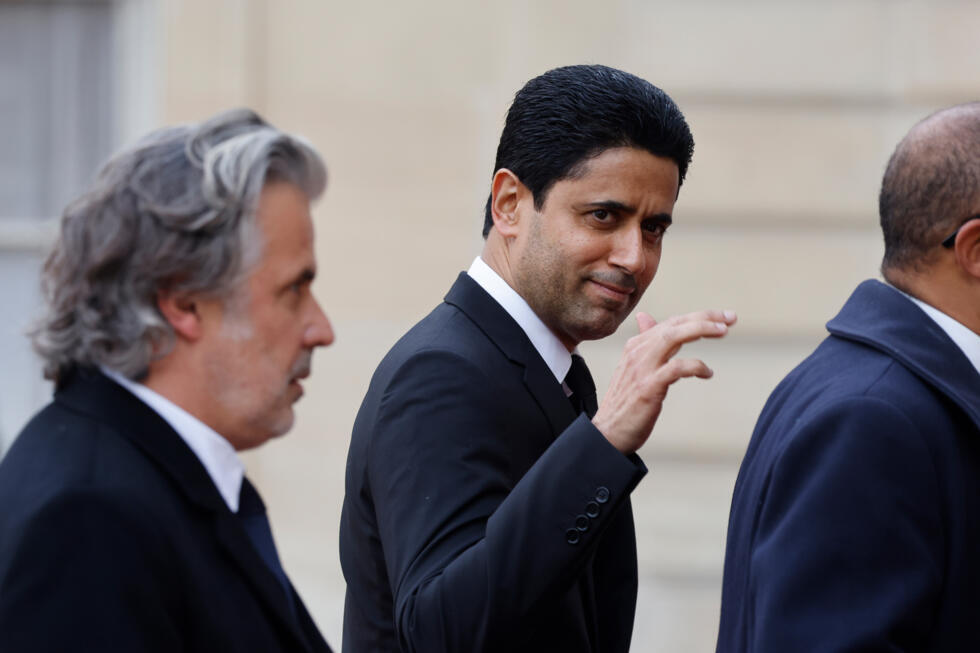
(795, 107)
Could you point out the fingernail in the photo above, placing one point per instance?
(729, 315)
(721, 326)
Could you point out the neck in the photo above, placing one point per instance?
(168, 377)
(497, 255)
(944, 288)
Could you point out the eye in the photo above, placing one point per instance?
(295, 290)
(654, 230)
(602, 217)
(300, 284)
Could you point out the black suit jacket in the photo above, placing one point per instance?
(481, 514)
(855, 522)
(114, 538)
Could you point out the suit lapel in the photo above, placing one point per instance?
(236, 544)
(467, 295)
(90, 392)
(547, 392)
(879, 316)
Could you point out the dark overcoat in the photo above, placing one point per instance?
(855, 521)
(114, 538)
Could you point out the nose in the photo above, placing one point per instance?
(628, 252)
(319, 332)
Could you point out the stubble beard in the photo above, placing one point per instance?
(568, 312)
(242, 393)
(593, 321)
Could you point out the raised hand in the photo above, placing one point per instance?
(647, 368)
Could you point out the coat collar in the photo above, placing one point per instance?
(90, 392)
(507, 335)
(880, 317)
(555, 355)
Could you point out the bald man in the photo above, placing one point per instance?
(855, 522)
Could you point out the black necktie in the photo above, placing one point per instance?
(579, 381)
(251, 512)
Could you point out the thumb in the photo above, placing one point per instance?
(645, 321)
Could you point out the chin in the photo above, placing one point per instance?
(283, 425)
(277, 427)
(250, 443)
(594, 332)
(603, 326)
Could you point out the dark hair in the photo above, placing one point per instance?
(931, 184)
(568, 115)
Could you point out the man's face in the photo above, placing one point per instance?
(260, 342)
(584, 260)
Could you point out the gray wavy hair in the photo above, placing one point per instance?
(176, 212)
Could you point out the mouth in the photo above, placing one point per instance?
(302, 367)
(613, 291)
(294, 381)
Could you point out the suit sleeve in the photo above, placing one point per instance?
(85, 575)
(471, 556)
(848, 552)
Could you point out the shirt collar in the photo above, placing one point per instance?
(965, 338)
(215, 452)
(547, 344)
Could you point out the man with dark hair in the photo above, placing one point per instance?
(540, 146)
(179, 324)
(487, 504)
(854, 519)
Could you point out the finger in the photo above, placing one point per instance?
(661, 343)
(675, 335)
(645, 321)
(728, 317)
(682, 368)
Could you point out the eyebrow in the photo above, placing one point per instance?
(613, 205)
(306, 276)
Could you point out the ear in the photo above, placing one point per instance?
(967, 248)
(181, 312)
(508, 194)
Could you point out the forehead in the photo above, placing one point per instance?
(626, 174)
(286, 227)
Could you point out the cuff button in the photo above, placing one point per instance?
(602, 494)
(572, 536)
(592, 509)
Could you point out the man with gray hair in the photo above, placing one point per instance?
(180, 321)
(854, 523)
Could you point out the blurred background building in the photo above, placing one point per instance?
(795, 107)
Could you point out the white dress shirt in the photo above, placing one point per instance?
(216, 454)
(555, 355)
(965, 339)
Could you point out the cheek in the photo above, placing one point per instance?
(276, 331)
(582, 251)
(650, 269)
